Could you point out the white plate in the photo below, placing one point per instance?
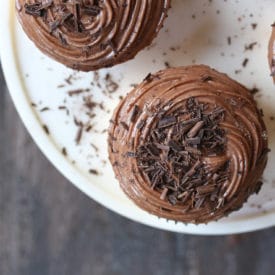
(196, 32)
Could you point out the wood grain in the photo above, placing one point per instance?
(49, 227)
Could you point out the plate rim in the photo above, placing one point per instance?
(49, 149)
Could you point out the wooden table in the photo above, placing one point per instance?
(47, 226)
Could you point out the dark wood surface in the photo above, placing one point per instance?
(47, 226)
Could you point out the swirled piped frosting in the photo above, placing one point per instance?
(91, 34)
(271, 52)
(188, 144)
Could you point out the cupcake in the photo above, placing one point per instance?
(271, 52)
(90, 34)
(188, 144)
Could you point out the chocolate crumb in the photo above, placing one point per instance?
(46, 129)
(95, 147)
(245, 62)
(250, 46)
(64, 151)
(44, 109)
(111, 85)
(94, 172)
(78, 91)
(229, 40)
(124, 125)
(167, 121)
(254, 90)
(164, 193)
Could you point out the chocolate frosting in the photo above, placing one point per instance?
(223, 162)
(271, 52)
(91, 34)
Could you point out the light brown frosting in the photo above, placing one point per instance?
(271, 52)
(246, 139)
(102, 34)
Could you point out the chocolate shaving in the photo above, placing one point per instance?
(37, 9)
(62, 40)
(78, 91)
(254, 90)
(44, 109)
(141, 124)
(175, 145)
(245, 62)
(79, 134)
(194, 131)
(148, 77)
(60, 21)
(76, 13)
(251, 46)
(153, 149)
(171, 157)
(167, 121)
(111, 85)
(69, 17)
(124, 125)
(134, 114)
(91, 10)
(229, 40)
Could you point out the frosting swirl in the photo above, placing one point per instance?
(188, 144)
(271, 52)
(91, 34)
